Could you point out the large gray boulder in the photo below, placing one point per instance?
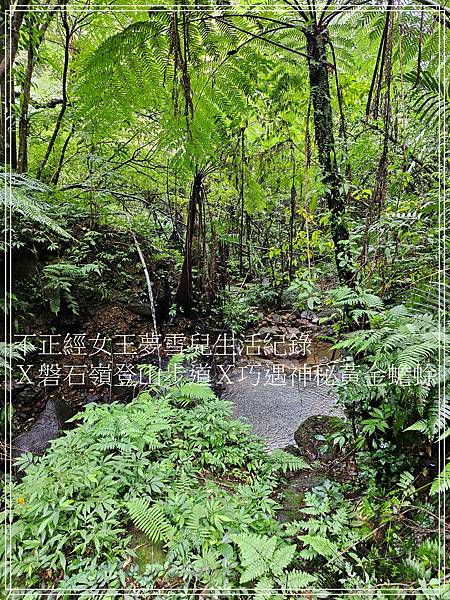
(47, 427)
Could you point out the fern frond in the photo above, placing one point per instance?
(150, 519)
(442, 482)
(281, 558)
(283, 461)
(320, 545)
(194, 391)
(17, 193)
(298, 580)
(264, 589)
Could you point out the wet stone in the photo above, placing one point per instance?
(48, 426)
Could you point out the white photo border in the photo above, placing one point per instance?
(442, 173)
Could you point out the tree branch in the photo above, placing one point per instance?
(260, 37)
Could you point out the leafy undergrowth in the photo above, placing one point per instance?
(172, 465)
(167, 493)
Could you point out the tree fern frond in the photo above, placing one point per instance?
(17, 193)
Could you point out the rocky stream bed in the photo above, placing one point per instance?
(275, 410)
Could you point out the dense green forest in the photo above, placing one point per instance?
(225, 299)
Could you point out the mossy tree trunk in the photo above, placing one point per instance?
(323, 127)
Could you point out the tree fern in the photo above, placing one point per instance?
(430, 97)
(18, 192)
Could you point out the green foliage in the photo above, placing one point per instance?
(150, 519)
(308, 294)
(237, 313)
(264, 559)
(58, 280)
(284, 461)
(160, 466)
(404, 347)
(330, 524)
(155, 96)
(18, 194)
(430, 98)
(12, 352)
(355, 303)
(442, 482)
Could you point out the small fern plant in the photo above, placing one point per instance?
(264, 560)
(150, 518)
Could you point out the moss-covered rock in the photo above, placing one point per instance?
(310, 435)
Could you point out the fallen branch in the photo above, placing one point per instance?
(149, 285)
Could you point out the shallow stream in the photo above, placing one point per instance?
(274, 405)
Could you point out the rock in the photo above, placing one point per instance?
(27, 395)
(309, 316)
(268, 331)
(293, 331)
(292, 493)
(91, 398)
(277, 319)
(140, 308)
(317, 425)
(328, 315)
(48, 426)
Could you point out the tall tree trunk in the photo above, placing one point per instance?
(183, 297)
(22, 158)
(323, 129)
(292, 211)
(8, 52)
(11, 43)
(8, 127)
(242, 202)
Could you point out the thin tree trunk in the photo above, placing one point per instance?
(293, 207)
(323, 128)
(183, 297)
(11, 44)
(22, 159)
(57, 173)
(149, 287)
(68, 35)
(242, 199)
(8, 127)
(379, 195)
(419, 50)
